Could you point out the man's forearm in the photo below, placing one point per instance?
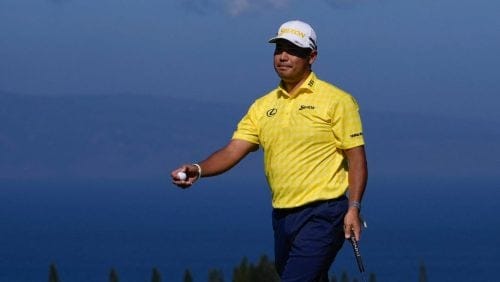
(227, 157)
(217, 163)
(358, 173)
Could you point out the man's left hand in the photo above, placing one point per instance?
(352, 223)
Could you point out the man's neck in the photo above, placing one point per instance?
(292, 86)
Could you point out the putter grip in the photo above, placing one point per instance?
(357, 254)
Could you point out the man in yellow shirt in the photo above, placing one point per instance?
(314, 158)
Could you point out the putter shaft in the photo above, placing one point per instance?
(357, 255)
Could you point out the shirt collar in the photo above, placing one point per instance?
(306, 87)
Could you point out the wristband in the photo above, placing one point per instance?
(355, 204)
(199, 170)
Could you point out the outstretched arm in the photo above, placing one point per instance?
(217, 163)
(358, 175)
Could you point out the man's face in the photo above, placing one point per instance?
(292, 63)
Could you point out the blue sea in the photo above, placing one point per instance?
(88, 227)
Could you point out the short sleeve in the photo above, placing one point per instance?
(346, 123)
(247, 127)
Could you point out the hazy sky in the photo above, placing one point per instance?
(426, 56)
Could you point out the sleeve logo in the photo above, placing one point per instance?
(356, 134)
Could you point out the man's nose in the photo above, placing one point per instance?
(283, 55)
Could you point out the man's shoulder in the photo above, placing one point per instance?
(333, 93)
(269, 97)
(330, 88)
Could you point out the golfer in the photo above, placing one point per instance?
(314, 158)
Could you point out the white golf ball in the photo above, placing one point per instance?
(181, 175)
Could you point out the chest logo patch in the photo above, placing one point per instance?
(306, 107)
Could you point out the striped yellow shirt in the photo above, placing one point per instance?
(303, 137)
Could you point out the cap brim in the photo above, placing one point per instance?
(275, 39)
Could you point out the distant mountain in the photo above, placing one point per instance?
(135, 136)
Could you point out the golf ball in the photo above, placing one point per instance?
(181, 175)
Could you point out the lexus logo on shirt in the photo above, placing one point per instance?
(271, 112)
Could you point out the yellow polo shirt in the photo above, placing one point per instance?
(303, 137)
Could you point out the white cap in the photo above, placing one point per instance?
(297, 32)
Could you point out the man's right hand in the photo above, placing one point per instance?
(191, 172)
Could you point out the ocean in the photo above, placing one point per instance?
(88, 227)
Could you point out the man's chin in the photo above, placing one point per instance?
(284, 73)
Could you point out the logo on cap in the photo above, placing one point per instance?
(292, 31)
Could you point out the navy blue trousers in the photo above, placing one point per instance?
(307, 239)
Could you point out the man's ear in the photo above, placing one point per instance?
(313, 56)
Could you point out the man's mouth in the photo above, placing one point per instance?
(283, 66)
